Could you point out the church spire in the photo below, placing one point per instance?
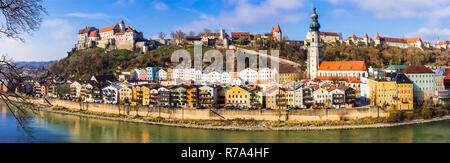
(315, 26)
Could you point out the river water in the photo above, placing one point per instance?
(57, 128)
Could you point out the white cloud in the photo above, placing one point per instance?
(339, 12)
(160, 6)
(249, 14)
(52, 41)
(124, 2)
(435, 11)
(431, 34)
(88, 15)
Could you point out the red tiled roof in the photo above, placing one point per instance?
(120, 33)
(400, 40)
(240, 35)
(329, 33)
(413, 40)
(444, 42)
(106, 29)
(129, 29)
(210, 34)
(353, 37)
(93, 34)
(348, 79)
(343, 66)
(378, 37)
(84, 31)
(271, 31)
(416, 70)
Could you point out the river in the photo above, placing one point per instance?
(57, 128)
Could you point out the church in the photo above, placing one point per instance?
(316, 68)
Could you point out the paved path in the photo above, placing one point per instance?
(280, 60)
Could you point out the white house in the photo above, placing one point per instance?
(161, 75)
(248, 75)
(214, 77)
(225, 78)
(110, 94)
(267, 74)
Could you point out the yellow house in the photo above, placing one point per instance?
(237, 96)
(288, 74)
(169, 73)
(386, 93)
(125, 94)
(405, 92)
(397, 93)
(290, 94)
(141, 94)
(192, 96)
(256, 97)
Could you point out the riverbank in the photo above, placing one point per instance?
(239, 125)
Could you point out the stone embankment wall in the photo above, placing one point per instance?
(195, 114)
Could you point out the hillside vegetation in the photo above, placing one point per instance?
(85, 63)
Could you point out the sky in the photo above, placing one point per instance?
(429, 19)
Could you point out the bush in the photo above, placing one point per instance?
(394, 116)
(427, 113)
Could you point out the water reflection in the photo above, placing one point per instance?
(66, 128)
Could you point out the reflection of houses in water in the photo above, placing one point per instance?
(4, 112)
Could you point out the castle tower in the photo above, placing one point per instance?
(378, 40)
(222, 34)
(366, 39)
(122, 26)
(277, 33)
(314, 48)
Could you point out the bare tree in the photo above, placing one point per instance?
(162, 35)
(20, 16)
(206, 30)
(191, 33)
(14, 101)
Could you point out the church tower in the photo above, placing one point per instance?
(314, 48)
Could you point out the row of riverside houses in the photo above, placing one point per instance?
(399, 85)
(188, 76)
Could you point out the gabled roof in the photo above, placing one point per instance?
(84, 31)
(103, 78)
(343, 66)
(420, 69)
(396, 67)
(93, 34)
(209, 34)
(106, 29)
(402, 78)
(240, 35)
(329, 34)
(443, 42)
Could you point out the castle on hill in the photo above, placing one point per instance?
(113, 37)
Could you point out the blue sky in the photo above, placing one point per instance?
(429, 19)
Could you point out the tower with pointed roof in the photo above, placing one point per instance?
(277, 33)
(314, 48)
(122, 26)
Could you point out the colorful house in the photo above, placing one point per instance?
(423, 80)
(238, 97)
(287, 75)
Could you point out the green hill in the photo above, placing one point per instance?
(85, 63)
